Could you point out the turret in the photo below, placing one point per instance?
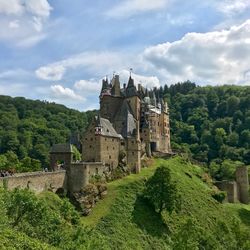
(105, 88)
(116, 90)
(131, 89)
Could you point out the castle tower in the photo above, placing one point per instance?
(243, 184)
(110, 98)
(115, 91)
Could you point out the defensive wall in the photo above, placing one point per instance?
(73, 179)
(36, 181)
(237, 191)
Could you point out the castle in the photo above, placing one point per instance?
(132, 121)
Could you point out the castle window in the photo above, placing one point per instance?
(158, 124)
(91, 139)
(86, 139)
(133, 153)
(113, 148)
(105, 139)
(90, 146)
(132, 142)
(122, 143)
(107, 130)
(107, 148)
(96, 170)
(112, 139)
(110, 157)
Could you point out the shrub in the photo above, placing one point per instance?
(219, 196)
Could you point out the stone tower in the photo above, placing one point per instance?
(243, 184)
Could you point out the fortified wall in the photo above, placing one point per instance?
(237, 191)
(72, 178)
(36, 181)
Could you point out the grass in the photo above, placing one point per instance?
(115, 188)
(126, 221)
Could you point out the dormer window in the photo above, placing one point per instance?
(98, 130)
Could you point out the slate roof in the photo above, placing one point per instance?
(107, 128)
(131, 89)
(125, 115)
(61, 148)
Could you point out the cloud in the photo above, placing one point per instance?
(146, 81)
(98, 63)
(38, 7)
(22, 21)
(232, 7)
(59, 92)
(129, 8)
(11, 7)
(53, 72)
(89, 86)
(215, 57)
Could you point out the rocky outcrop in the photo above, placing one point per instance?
(86, 199)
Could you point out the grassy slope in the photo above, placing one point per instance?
(127, 222)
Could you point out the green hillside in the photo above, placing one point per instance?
(124, 220)
(29, 128)
(128, 222)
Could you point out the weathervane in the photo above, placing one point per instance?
(130, 71)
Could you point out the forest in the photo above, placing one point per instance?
(209, 124)
(29, 128)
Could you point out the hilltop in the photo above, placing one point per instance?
(123, 220)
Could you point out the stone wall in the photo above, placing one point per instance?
(231, 188)
(243, 183)
(80, 173)
(36, 181)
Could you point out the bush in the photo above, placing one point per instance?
(219, 196)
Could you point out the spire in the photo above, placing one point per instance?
(131, 89)
(105, 84)
(130, 82)
(105, 87)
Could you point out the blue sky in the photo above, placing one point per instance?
(59, 50)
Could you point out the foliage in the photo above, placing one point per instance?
(29, 128)
(209, 123)
(161, 191)
(125, 221)
(76, 154)
(219, 196)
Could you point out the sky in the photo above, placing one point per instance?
(59, 50)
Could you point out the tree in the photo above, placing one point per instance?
(76, 154)
(161, 191)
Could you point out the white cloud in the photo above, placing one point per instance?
(59, 92)
(129, 8)
(146, 81)
(232, 7)
(215, 57)
(94, 62)
(22, 21)
(14, 24)
(53, 72)
(38, 7)
(11, 7)
(89, 86)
